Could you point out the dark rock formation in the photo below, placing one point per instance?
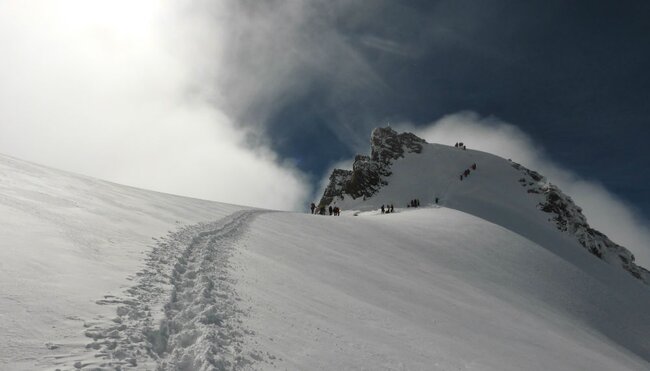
(368, 172)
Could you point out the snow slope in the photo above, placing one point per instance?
(84, 286)
(66, 241)
(431, 289)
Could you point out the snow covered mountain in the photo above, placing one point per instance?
(99, 276)
(402, 167)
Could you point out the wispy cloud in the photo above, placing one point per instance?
(279, 51)
(388, 46)
(604, 210)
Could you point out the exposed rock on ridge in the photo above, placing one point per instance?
(368, 172)
(568, 217)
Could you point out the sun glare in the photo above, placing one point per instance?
(122, 18)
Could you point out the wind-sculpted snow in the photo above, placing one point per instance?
(187, 278)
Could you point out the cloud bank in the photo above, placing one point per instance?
(604, 211)
(125, 91)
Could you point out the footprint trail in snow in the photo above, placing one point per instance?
(182, 314)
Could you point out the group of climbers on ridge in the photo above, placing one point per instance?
(388, 209)
(321, 210)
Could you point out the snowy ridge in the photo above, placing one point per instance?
(403, 167)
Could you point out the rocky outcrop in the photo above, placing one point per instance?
(369, 172)
(568, 217)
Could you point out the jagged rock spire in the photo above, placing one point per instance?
(368, 172)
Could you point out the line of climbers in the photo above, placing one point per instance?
(391, 209)
(467, 171)
(460, 145)
(385, 209)
(336, 211)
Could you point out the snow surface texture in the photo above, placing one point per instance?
(432, 289)
(67, 244)
(84, 286)
(201, 328)
(403, 167)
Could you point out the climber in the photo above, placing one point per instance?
(392, 208)
(312, 207)
(331, 210)
(383, 211)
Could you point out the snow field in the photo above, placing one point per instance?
(408, 291)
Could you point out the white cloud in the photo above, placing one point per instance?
(604, 211)
(124, 91)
